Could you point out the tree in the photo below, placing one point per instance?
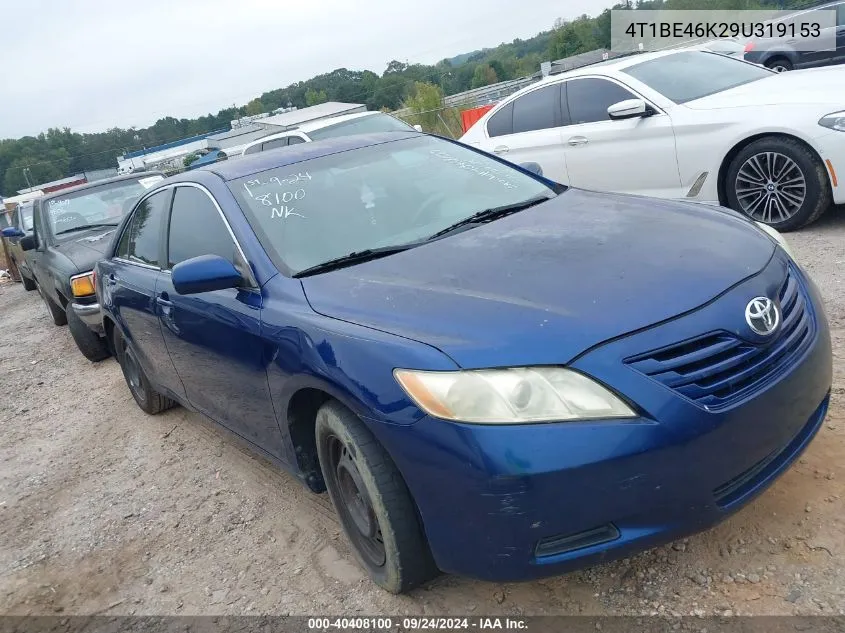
(314, 97)
(190, 158)
(254, 107)
(426, 106)
(484, 75)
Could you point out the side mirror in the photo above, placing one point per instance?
(418, 128)
(13, 231)
(204, 274)
(629, 109)
(534, 168)
(27, 243)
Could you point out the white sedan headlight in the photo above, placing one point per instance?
(777, 237)
(835, 121)
(511, 396)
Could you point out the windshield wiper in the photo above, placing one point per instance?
(85, 227)
(488, 215)
(355, 258)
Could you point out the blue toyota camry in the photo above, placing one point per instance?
(491, 374)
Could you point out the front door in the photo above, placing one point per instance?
(130, 282)
(635, 156)
(214, 338)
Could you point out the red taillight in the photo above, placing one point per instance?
(749, 47)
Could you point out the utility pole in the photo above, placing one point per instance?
(26, 177)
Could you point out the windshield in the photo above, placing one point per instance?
(692, 75)
(384, 195)
(370, 124)
(96, 206)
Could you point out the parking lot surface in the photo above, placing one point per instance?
(104, 509)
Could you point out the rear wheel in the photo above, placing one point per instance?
(780, 182)
(150, 400)
(375, 507)
(93, 346)
(779, 64)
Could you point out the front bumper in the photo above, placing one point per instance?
(498, 502)
(90, 315)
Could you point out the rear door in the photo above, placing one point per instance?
(529, 130)
(630, 156)
(214, 338)
(131, 285)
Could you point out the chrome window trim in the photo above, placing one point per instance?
(133, 263)
(253, 283)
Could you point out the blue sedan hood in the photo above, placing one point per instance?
(544, 285)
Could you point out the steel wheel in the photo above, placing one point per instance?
(770, 187)
(132, 371)
(355, 504)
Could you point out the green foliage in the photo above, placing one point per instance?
(426, 109)
(484, 75)
(190, 158)
(254, 107)
(315, 97)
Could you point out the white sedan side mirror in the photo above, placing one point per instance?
(418, 128)
(629, 109)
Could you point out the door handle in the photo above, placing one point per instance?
(163, 301)
(501, 149)
(111, 280)
(578, 140)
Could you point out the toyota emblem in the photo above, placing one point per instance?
(762, 316)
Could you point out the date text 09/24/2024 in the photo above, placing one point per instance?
(415, 624)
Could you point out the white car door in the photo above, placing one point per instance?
(528, 129)
(635, 156)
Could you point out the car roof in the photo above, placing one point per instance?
(271, 159)
(98, 183)
(310, 126)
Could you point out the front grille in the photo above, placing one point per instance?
(718, 369)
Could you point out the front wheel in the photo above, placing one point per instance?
(372, 501)
(780, 182)
(93, 346)
(28, 284)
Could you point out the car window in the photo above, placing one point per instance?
(588, 99)
(253, 149)
(25, 217)
(840, 15)
(501, 123)
(141, 240)
(362, 125)
(276, 142)
(38, 228)
(196, 228)
(394, 193)
(294, 140)
(537, 110)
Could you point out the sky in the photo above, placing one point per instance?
(96, 64)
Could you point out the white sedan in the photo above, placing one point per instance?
(690, 125)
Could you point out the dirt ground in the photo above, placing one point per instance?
(106, 510)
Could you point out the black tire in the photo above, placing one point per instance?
(385, 500)
(779, 64)
(150, 400)
(817, 196)
(93, 346)
(57, 313)
(28, 284)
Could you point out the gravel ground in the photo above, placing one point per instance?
(106, 510)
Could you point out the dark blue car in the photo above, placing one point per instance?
(491, 374)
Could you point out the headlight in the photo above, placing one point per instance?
(83, 285)
(835, 121)
(511, 396)
(777, 237)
